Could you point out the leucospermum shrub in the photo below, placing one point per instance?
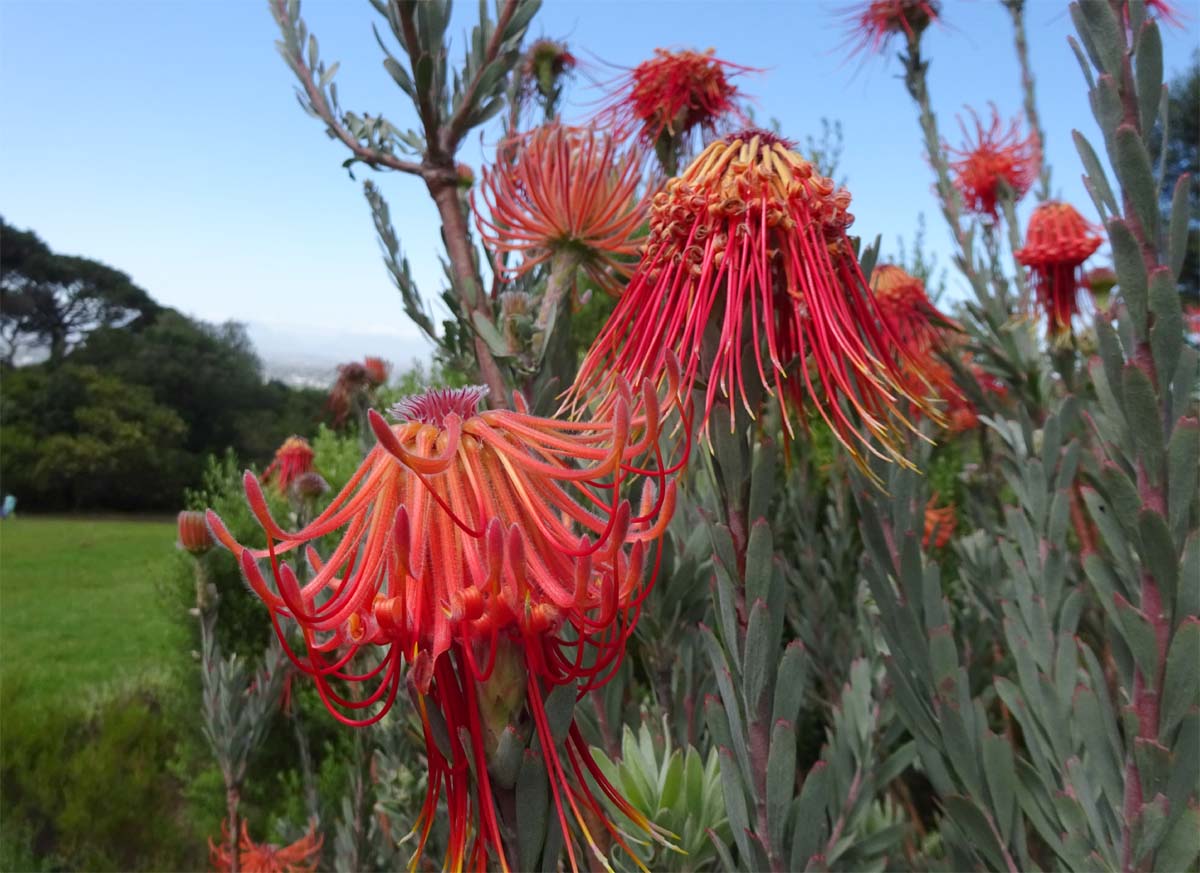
(925, 592)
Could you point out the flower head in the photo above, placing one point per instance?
(994, 156)
(292, 459)
(872, 24)
(544, 65)
(749, 247)
(903, 303)
(564, 189)
(353, 382)
(1057, 242)
(487, 558)
(674, 93)
(194, 535)
(301, 856)
(940, 522)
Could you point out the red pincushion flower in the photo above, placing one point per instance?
(194, 536)
(872, 24)
(923, 331)
(674, 93)
(940, 523)
(749, 245)
(301, 856)
(1057, 242)
(564, 189)
(292, 459)
(499, 555)
(991, 157)
(903, 302)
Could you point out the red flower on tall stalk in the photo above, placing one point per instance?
(498, 555)
(301, 856)
(749, 245)
(559, 189)
(674, 93)
(1057, 242)
(991, 157)
(872, 24)
(292, 459)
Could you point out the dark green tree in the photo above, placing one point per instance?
(54, 301)
(1181, 154)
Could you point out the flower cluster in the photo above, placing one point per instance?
(292, 459)
(1057, 242)
(675, 94)
(475, 546)
(564, 189)
(353, 380)
(302, 856)
(991, 159)
(871, 25)
(749, 245)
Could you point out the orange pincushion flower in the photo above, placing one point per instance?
(918, 324)
(872, 24)
(479, 546)
(563, 188)
(675, 93)
(292, 459)
(1057, 242)
(994, 156)
(194, 536)
(301, 856)
(940, 523)
(751, 242)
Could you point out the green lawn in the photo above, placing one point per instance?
(80, 605)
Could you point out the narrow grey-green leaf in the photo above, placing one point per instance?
(1183, 474)
(781, 777)
(1181, 680)
(759, 551)
(792, 679)
(1095, 171)
(759, 663)
(1145, 420)
(1149, 74)
(1159, 556)
(1131, 273)
(532, 808)
(1136, 175)
(1180, 219)
(809, 831)
(1138, 634)
(735, 804)
(1166, 336)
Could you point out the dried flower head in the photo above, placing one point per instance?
(194, 535)
(674, 94)
(991, 158)
(292, 459)
(489, 558)
(564, 189)
(1057, 242)
(354, 381)
(545, 64)
(872, 24)
(301, 856)
(749, 246)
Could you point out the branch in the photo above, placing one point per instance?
(458, 125)
(319, 106)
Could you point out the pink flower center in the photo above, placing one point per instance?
(434, 405)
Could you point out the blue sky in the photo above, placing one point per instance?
(162, 137)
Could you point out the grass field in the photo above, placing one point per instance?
(80, 605)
